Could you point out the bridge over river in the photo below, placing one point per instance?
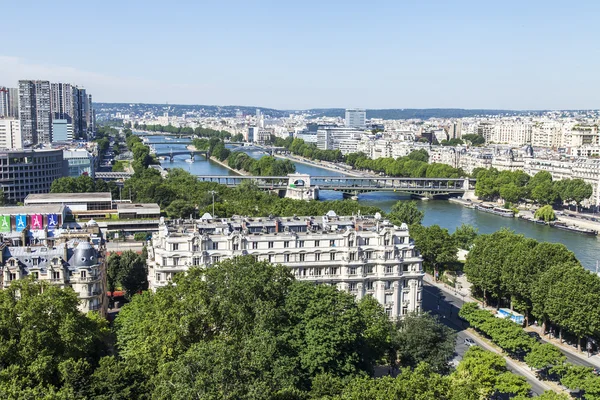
(351, 186)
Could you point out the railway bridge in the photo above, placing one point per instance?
(350, 186)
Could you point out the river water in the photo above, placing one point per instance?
(447, 215)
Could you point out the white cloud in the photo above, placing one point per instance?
(102, 87)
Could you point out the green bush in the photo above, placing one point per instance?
(139, 236)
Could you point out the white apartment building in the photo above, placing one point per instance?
(77, 265)
(363, 255)
(584, 135)
(547, 134)
(330, 138)
(10, 134)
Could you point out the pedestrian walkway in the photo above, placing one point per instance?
(567, 348)
(593, 360)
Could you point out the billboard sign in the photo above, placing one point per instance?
(4, 223)
(21, 222)
(37, 221)
(52, 221)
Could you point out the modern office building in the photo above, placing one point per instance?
(79, 162)
(330, 138)
(10, 134)
(356, 118)
(35, 111)
(62, 130)
(74, 264)
(28, 171)
(366, 256)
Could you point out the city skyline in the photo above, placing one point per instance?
(465, 55)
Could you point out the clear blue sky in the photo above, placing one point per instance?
(301, 54)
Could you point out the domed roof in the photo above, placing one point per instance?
(91, 222)
(84, 255)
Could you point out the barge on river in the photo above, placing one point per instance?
(572, 228)
(495, 210)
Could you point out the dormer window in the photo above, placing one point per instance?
(83, 274)
(36, 261)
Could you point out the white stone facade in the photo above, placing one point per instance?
(361, 255)
(77, 265)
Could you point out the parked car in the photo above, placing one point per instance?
(470, 342)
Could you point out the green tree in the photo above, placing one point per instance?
(474, 139)
(133, 274)
(436, 245)
(464, 236)
(113, 272)
(485, 373)
(114, 379)
(419, 155)
(545, 193)
(44, 335)
(406, 212)
(423, 338)
(544, 356)
(545, 213)
(180, 209)
(513, 193)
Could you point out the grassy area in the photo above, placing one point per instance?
(120, 166)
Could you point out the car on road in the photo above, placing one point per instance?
(470, 342)
(534, 335)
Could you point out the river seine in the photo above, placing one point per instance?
(447, 215)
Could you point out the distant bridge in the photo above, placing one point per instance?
(179, 135)
(267, 149)
(352, 186)
(169, 142)
(173, 153)
(113, 175)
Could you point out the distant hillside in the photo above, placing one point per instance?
(230, 111)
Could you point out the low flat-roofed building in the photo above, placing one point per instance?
(17, 219)
(138, 210)
(75, 202)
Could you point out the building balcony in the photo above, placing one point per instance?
(93, 293)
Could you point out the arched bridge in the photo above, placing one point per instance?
(173, 153)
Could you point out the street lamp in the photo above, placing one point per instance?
(213, 201)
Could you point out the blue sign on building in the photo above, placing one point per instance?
(21, 222)
(52, 221)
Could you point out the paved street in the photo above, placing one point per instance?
(446, 306)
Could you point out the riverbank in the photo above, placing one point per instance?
(579, 223)
(320, 164)
(221, 163)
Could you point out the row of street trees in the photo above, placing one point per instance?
(517, 186)
(546, 359)
(540, 279)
